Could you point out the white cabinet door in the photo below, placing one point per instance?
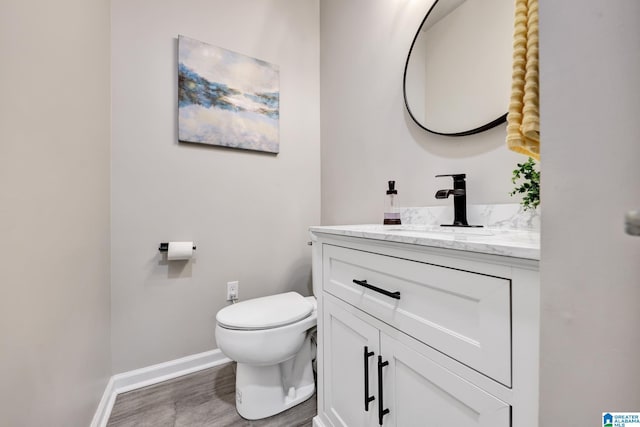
(420, 393)
(345, 375)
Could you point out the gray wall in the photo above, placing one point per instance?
(54, 211)
(247, 212)
(367, 135)
(590, 269)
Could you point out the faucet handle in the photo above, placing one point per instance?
(455, 176)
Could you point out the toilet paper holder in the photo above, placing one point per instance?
(164, 247)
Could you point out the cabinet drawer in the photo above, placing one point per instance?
(462, 314)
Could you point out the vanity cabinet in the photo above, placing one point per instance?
(413, 335)
(360, 361)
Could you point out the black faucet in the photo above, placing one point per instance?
(459, 193)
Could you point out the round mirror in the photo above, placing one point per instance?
(457, 78)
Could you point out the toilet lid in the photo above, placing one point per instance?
(266, 312)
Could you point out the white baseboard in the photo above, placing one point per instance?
(154, 374)
(101, 416)
(317, 422)
(143, 377)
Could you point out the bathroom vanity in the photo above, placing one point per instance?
(426, 326)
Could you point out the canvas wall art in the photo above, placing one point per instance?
(226, 98)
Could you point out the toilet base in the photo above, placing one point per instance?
(263, 391)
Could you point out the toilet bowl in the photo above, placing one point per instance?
(270, 339)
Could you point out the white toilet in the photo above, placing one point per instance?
(270, 339)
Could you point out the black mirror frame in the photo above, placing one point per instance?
(491, 124)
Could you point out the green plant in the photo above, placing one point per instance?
(530, 186)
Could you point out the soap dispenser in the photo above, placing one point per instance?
(392, 206)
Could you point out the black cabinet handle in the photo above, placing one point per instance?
(367, 398)
(394, 295)
(382, 411)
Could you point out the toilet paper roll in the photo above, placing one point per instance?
(180, 251)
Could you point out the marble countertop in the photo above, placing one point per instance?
(504, 242)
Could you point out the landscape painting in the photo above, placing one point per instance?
(226, 98)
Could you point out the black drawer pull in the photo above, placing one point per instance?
(394, 295)
(382, 411)
(367, 398)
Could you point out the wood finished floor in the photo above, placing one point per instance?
(202, 399)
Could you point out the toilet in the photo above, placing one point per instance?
(270, 339)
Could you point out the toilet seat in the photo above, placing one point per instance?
(265, 313)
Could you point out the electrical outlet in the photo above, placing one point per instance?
(232, 290)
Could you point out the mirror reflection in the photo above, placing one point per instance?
(458, 73)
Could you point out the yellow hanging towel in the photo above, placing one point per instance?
(523, 118)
